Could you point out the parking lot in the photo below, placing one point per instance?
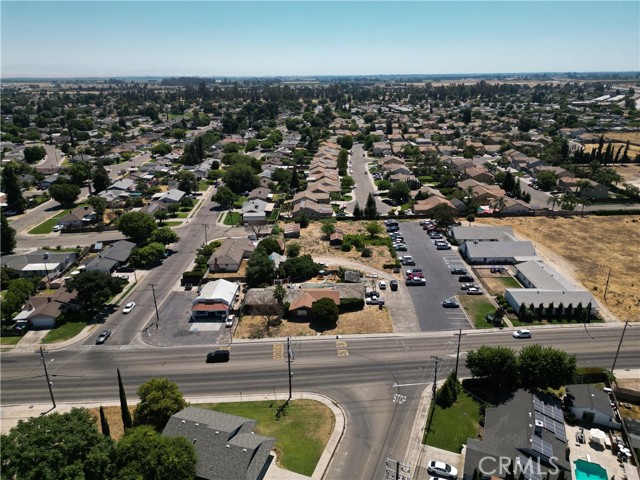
(440, 283)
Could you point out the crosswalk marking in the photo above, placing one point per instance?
(341, 348)
(278, 351)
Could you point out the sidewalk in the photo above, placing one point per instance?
(9, 417)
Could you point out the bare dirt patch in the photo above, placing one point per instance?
(630, 173)
(585, 250)
(313, 243)
(369, 320)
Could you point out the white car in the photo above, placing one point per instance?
(229, 321)
(58, 228)
(522, 334)
(128, 307)
(442, 470)
(383, 285)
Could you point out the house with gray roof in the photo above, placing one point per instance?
(498, 252)
(535, 274)
(529, 430)
(171, 196)
(40, 262)
(228, 256)
(226, 445)
(592, 405)
(114, 256)
(517, 296)
(124, 184)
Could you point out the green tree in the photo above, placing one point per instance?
(357, 212)
(94, 288)
(293, 249)
(499, 365)
(57, 446)
(64, 193)
(260, 270)
(34, 154)
(144, 454)
(370, 209)
(161, 148)
(268, 246)
(159, 399)
(443, 215)
(164, 236)
(295, 180)
(7, 236)
(509, 182)
(328, 228)
(325, 312)
(187, 182)
(547, 180)
(104, 424)
(11, 187)
(124, 407)
(400, 192)
(225, 197)
(302, 219)
(149, 254)
(544, 367)
(101, 179)
(99, 205)
(240, 178)
(80, 172)
(137, 226)
(374, 229)
(569, 201)
(300, 268)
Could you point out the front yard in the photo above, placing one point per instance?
(64, 332)
(477, 308)
(449, 428)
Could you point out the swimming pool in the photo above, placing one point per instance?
(589, 471)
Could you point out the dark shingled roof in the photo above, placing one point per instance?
(589, 397)
(225, 444)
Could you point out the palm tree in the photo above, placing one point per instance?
(569, 201)
(585, 202)
(499, 204)
(553, 200)
(279, 294)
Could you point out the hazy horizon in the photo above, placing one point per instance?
(94, 39)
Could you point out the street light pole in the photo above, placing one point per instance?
(155, 304)
(626, 322)
(46, 374)
(46, 270)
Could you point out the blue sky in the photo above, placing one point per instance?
(242, 38)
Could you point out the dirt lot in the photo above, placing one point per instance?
(630, 172)
(312, 242)
(586, 249)
(369, 320)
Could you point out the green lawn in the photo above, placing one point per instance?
(202, 185)
(9, 340)
(301, 434)
(477, 307)
(240, 201)
(449, 428)
(232, 218)
(564, 321)
(274, 214)
(172, 223)
(182, 215)
(47, 226)
(509, 282)
(64, 332)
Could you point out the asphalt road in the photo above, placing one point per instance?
(436, 265)
(363, 381)
(364, 182)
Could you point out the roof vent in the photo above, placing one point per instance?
(217, 432)
(194, 440)
(244, 450)
(197, 424)
(228, 446)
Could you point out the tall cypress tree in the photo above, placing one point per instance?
(103, 423)
(7, 236)
(370, 210)
(126, 415)
(295, 181)
(11, 187)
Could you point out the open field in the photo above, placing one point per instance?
(633, 149)
(369, 320)
(586, 250)
(629, 172)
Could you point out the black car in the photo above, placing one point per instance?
(219, 356)
(458, 271)
(393, 285)
(393, 229)
(450, 303)
(465, 278)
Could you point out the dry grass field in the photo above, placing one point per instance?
(629, 172)
(369, 320)
(633, 149)
(586, 249)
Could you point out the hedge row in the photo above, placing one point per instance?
(351, 304)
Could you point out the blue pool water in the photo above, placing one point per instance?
(589, 471)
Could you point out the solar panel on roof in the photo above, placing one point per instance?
(529, 467)
(542, 447)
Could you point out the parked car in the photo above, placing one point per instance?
(408, 260)
(128, 307)
(458, 271)
(393, 285)
(415, 281)
(103, 337)
(383, 285)
(188, 286)
(413, 270)
(433, 235)
(466, 286)
(58, 228)
(219, 356)
(497, 269)
(376, 300)
(474, 291)
(442, 470)
(522, 333)
(392, 229)
(465, 278)
(228, 322)
(443, 246)
(400, 247)
(450, 303)
(396, 269)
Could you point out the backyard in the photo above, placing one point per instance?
(449, 428)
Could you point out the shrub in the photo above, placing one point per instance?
(592, 375)
(509, 310)
(366, 252)
(351, 304)
(345, 247)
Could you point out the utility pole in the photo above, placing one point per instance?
(46, 374)
(606, 287)
(626, 322)
(289, 354)
(435, 380)
(155, 303)
(206, 240)
(459, 335)
(45, 257)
